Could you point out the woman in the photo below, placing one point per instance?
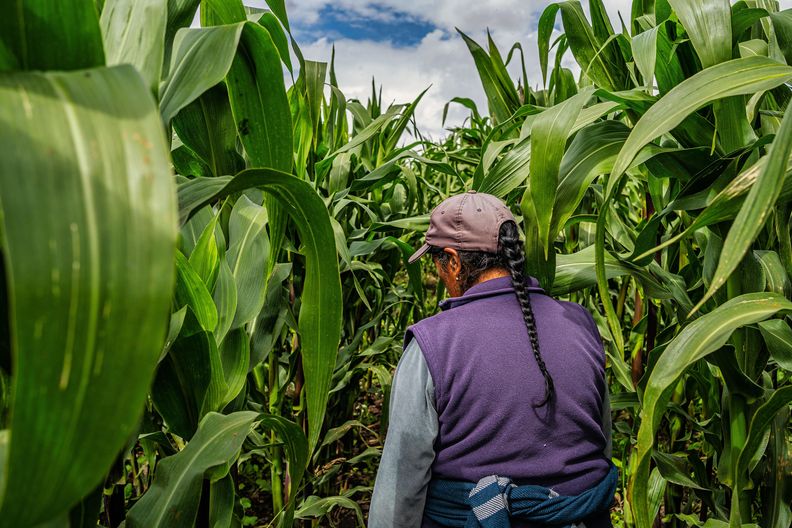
(499, 413)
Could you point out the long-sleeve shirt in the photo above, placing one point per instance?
(405, 468)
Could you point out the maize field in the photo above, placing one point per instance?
(203, 255)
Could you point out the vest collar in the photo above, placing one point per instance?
(489, 288)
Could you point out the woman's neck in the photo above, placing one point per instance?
(492, 273)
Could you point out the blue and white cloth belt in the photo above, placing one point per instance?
(493, 501)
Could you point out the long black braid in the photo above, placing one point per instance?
(510, 256)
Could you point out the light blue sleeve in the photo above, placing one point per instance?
(406, 466)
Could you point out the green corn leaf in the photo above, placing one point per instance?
(173, 499)
(200, 59)
(222, 498)
(89, 276)
(184, 377)
(644, 46)
(205, 256)
(247, 256)
(258, 100)
(225, 299)
(761, 422)
(271, 23)
(181, 13)
(207, 128)
(317, 508)
(73, 36)
(297, 450)
(548, 143)
(134, 33)
(235, 356)
(591, 153)
(735, 77)
(698, 339)
(502, 98)
(756, 209)
(219, 12)
(321, 309)
(192, 291)
(601, 60)
(778, 337)
(708, 25)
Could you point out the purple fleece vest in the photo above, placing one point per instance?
(486, 380)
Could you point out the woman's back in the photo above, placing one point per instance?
(487, 384)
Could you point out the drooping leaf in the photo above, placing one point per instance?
(174, 497)
(89, 277)
(320, 312)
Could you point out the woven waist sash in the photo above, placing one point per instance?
(494, 500)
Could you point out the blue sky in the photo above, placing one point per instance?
(408, 45)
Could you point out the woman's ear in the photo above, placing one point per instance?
(454, 262)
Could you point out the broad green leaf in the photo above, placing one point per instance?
(191, 72)
(205, 256)
(761, 422)
(778, 336)
(184, 376)
(601, 61)
(218, 12)
(548, 143)
(776, 278)
(134, 33)
(225, 299)
(194, 192)
(181, 13)
(50, 35)
(192, 291)
(698, 339)
(235, 355)
(89, 276)
(575, 272)
(272, 317)
(173, 499)
(644, 47)
(247, 257)
(273, 26)
(320, 311)
(708, 25)
(222, 497)
(258, 100)
(207, 128)
(591, 153)
(735, 77)
(756, 209)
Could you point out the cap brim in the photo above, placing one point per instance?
(418, 254)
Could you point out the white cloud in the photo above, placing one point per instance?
(441, 59)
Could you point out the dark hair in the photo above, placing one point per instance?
(510, 256)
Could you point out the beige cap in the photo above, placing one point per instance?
(468, 222)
